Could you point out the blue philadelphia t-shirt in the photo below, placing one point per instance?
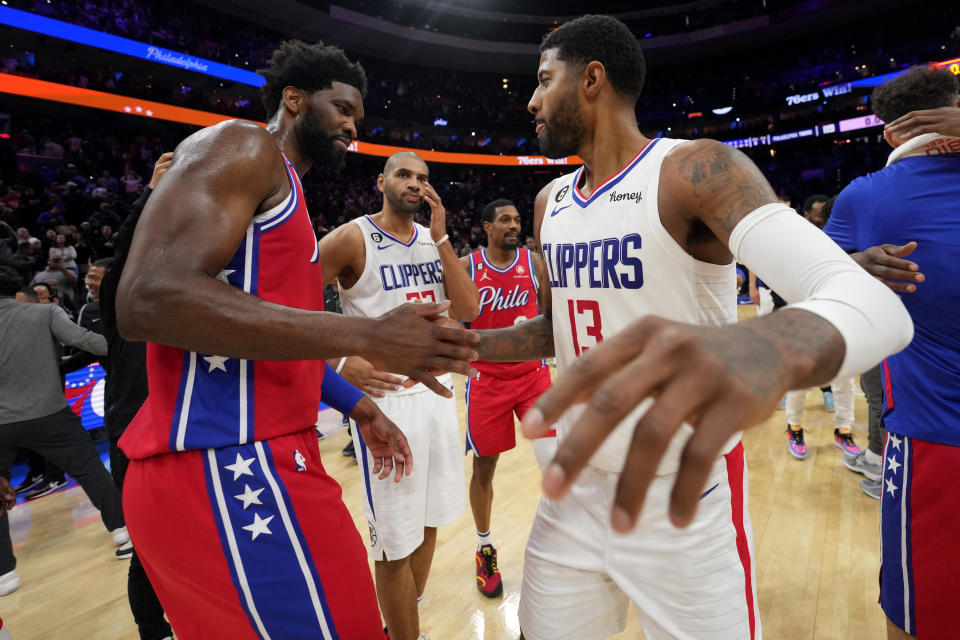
(916, 198)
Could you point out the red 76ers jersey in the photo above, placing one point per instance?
(507, 296)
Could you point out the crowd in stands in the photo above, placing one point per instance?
(486, 112)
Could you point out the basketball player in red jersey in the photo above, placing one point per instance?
(655, 378)
(224, 281)
(510, 278)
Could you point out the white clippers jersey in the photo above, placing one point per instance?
(394, 273)
(612, 262)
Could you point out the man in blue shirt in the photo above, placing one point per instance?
(916, 199)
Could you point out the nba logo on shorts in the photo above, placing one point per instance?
(300, 460)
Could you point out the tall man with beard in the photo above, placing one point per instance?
(653, 390)
(381, 261)
(240, 530)
(510, 279)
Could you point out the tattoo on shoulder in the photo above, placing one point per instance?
(726, 184)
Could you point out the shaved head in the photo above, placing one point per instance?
(398, 157)
(404, 175)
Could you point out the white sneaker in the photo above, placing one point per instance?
(120, 536)
(9, 582)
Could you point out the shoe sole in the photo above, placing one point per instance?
(870, 494)
(866, 474)
(840, 446)
(798, 456)
(496, 592)
(45, 493)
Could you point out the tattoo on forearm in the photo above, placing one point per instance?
(726, 184)
(530, 340)
(812, 346)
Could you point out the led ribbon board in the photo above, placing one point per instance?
(21, 86)
(66, 31)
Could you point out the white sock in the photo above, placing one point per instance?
(484, 538)
(872, 458)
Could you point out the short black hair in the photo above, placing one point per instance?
(10, 281)
(812, 200)
(104, 263)
(609, 42)
(308, 67)
(490, 211)
(29, 293)
(918, 88)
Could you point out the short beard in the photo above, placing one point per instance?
(563, 138)
(400, 204)
(318, 145)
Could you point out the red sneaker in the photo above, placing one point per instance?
(488, 576)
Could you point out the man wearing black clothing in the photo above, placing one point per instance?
(124, 393)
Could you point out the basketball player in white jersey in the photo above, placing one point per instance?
(382, 261)
(655, 381)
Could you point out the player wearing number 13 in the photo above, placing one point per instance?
(655, 382)
(380, 262)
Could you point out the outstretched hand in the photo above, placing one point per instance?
(384, 440)
(885, 262)
(720, 380)
(364, 376)
(412, 343)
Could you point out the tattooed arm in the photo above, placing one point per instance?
(715, 203)
(533, 339)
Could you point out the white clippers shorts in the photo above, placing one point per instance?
(579, 577)
(433, 494)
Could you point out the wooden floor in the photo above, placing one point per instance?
(816, 547)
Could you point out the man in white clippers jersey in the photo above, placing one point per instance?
(382, 261)
(655, 381)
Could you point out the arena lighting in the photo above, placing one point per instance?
(28, 87)
(66, 31)
(722, 111)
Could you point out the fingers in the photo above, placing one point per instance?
(581, 379)
(700, 454)
(377, 465)
(457, 336)
(371, 391)
(653, 434)
(432, 383)
(402, 456)
(386, 464)
(898, 286)
(428, 309)
(386, 380)
(899, 251)
(609, 405)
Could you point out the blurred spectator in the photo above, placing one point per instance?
(63, 253)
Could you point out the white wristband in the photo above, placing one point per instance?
(340, 366)
(442, 240)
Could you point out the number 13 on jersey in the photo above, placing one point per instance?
(586, 326)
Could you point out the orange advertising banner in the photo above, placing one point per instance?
(32, 88)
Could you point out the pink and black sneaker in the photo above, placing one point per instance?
(845, 441)
(795, 443)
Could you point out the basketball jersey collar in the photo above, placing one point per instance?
(583, 201)
(413, 238)
(486, 260)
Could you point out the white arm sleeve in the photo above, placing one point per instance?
(811, 272)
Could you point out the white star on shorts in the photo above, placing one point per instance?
(241, 467)
(258, 526)
(249, 496)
